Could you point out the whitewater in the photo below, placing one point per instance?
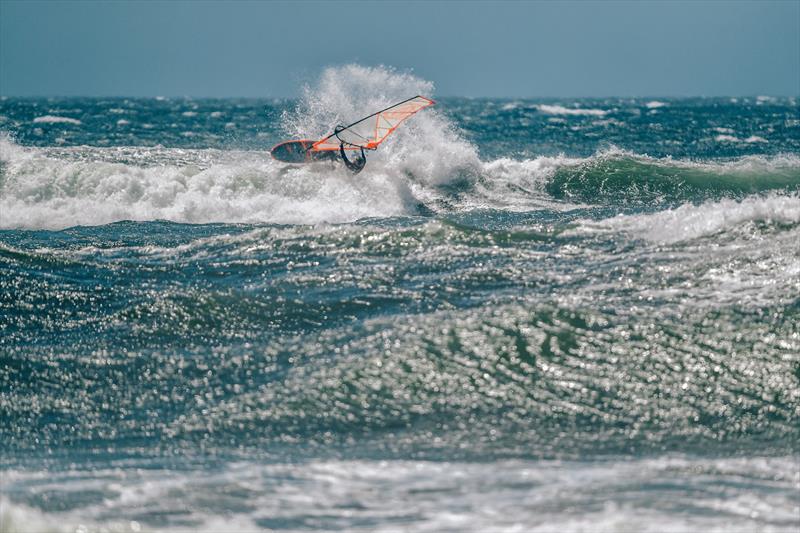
(523, 315)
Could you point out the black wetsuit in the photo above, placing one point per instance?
(355, 166)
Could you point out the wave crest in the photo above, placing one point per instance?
(689, 221)
(622, 177)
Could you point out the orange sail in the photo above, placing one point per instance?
(369, 132)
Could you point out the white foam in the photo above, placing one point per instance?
(655, 104)
(561, 110)
(52, 119)
(42, 191)
(734, 139)
(727, 139)
(15, 518)
(692, 221)
(123, 122)
(671, 494)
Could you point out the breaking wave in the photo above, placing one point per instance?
(620, 177)
(92, 186)
(427, 166)
(58, 188)
(246, 497)
(694, 221)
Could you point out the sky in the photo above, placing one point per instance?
(491, 49)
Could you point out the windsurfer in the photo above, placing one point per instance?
(355, 166)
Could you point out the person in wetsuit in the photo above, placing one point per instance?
(355, 166)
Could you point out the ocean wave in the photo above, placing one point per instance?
(40, 190)
(690, 221)
(620, 177)
(56, 188)
(717, 495)
(410, 328)
(390, 327)
(734, 139)
(570, 111)
(51, 119)
(741, 253)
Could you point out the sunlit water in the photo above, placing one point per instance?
(550, 315)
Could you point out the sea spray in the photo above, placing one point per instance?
(429, 148)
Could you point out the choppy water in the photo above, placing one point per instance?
(550, 315)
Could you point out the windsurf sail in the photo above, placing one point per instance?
(371, 131)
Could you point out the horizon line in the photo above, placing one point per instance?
(233, 97)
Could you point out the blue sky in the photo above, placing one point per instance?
(495, 49)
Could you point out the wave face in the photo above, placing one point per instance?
(523, 315)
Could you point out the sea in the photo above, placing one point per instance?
(524, 315)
